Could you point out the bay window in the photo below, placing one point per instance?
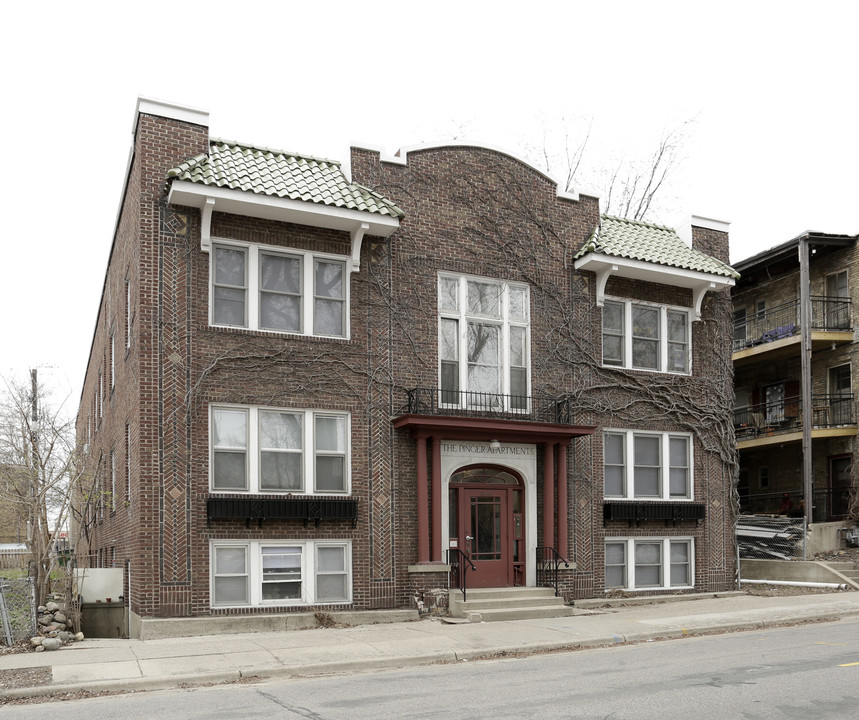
(280, 572)
(484, 345)
(288, 291)
(272, 450)
(647, 465)
(649, 563)
(642, 336)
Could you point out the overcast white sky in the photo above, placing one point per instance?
(770, 88)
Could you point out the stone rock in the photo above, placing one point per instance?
(51, 643)
(79, 636)
(42, 609)
(46, 620)
(58, 626)
(36, 641)
(65, 636)
(52, 607)
(59, 617)
(40, 648)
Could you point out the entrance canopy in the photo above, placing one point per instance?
(432, 430)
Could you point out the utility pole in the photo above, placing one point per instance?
(35, 516)
(805, 369)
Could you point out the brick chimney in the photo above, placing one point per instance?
(708, 235)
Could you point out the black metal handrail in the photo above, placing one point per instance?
(536, 408)
(781, 321)
(459, 565)
(548, 564)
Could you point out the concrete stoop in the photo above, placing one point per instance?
(515, 603)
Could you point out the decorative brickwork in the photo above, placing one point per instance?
(468, 211)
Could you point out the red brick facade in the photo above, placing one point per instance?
(468, 211)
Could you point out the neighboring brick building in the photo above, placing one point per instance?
(305, 392)
(796, 422)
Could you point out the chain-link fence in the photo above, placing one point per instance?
(17, 609)
(761, 537)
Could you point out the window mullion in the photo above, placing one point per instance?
(253, 450)
(627, 334)
(254, 572)
(308, 296)
(253, 287)
(308, 578)
(630, 563)
(665, 467)
(666, 562)
(629, 464)
(663, 339)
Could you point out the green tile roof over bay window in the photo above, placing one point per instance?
(281, 174)
(633, 240)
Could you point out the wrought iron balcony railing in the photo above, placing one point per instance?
(784, 416)
(536, 408)
(827, 313)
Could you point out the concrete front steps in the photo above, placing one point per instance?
(512, 603)
(847, 570)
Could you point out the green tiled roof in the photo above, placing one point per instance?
(635, 240)
(281, 174)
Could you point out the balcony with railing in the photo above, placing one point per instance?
(828, 503)
(777, 327)
(495, 406)
(781, 421)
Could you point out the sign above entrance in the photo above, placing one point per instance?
(459, 448)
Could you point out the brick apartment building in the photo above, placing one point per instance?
(306, 390)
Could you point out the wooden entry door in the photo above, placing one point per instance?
(484, 533)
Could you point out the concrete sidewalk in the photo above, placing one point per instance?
(125, 665)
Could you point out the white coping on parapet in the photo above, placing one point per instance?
(401, 158)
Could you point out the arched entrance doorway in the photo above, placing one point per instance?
(486, 514)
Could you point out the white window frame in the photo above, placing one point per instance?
(629, 569)
(663, 341)
(254, 571)
(505, 322)
(308, 286)
(664, 465)
(308, 450)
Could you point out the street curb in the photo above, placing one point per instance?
(403, 661)
(123, 685)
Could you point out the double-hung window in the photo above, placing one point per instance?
(286, 291)
(647, 465)
(483, 343)
(649, 563)
(280, 572)
(645, 337)
(273, 450)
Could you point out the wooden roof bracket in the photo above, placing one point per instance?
(206, 225)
